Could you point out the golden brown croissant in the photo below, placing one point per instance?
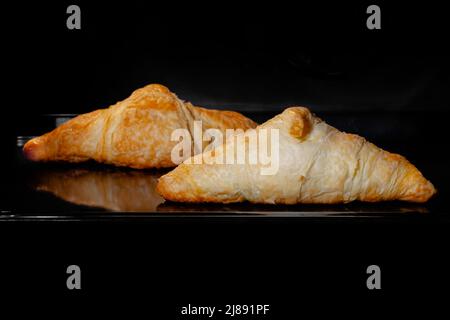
(112, 190)
(135, 132)
(317, 164)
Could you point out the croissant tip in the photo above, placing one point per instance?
(160, 187)
(173, 187)
(421, 192)
(163, 188)
(33, 150)
(170, 187)
(430, 192)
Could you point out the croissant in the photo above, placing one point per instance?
(316, 164)
(135, 132)
(111, 190)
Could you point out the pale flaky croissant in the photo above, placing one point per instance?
(135, 132)
(317, 164)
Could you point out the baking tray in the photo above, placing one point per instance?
(56, 191)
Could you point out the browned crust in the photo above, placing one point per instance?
(152, 106)
(222, 119)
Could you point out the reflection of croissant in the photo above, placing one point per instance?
(317, 164)
(135, 132)
(112, 190)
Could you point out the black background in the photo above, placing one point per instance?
(247, 55)
(251, 57)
